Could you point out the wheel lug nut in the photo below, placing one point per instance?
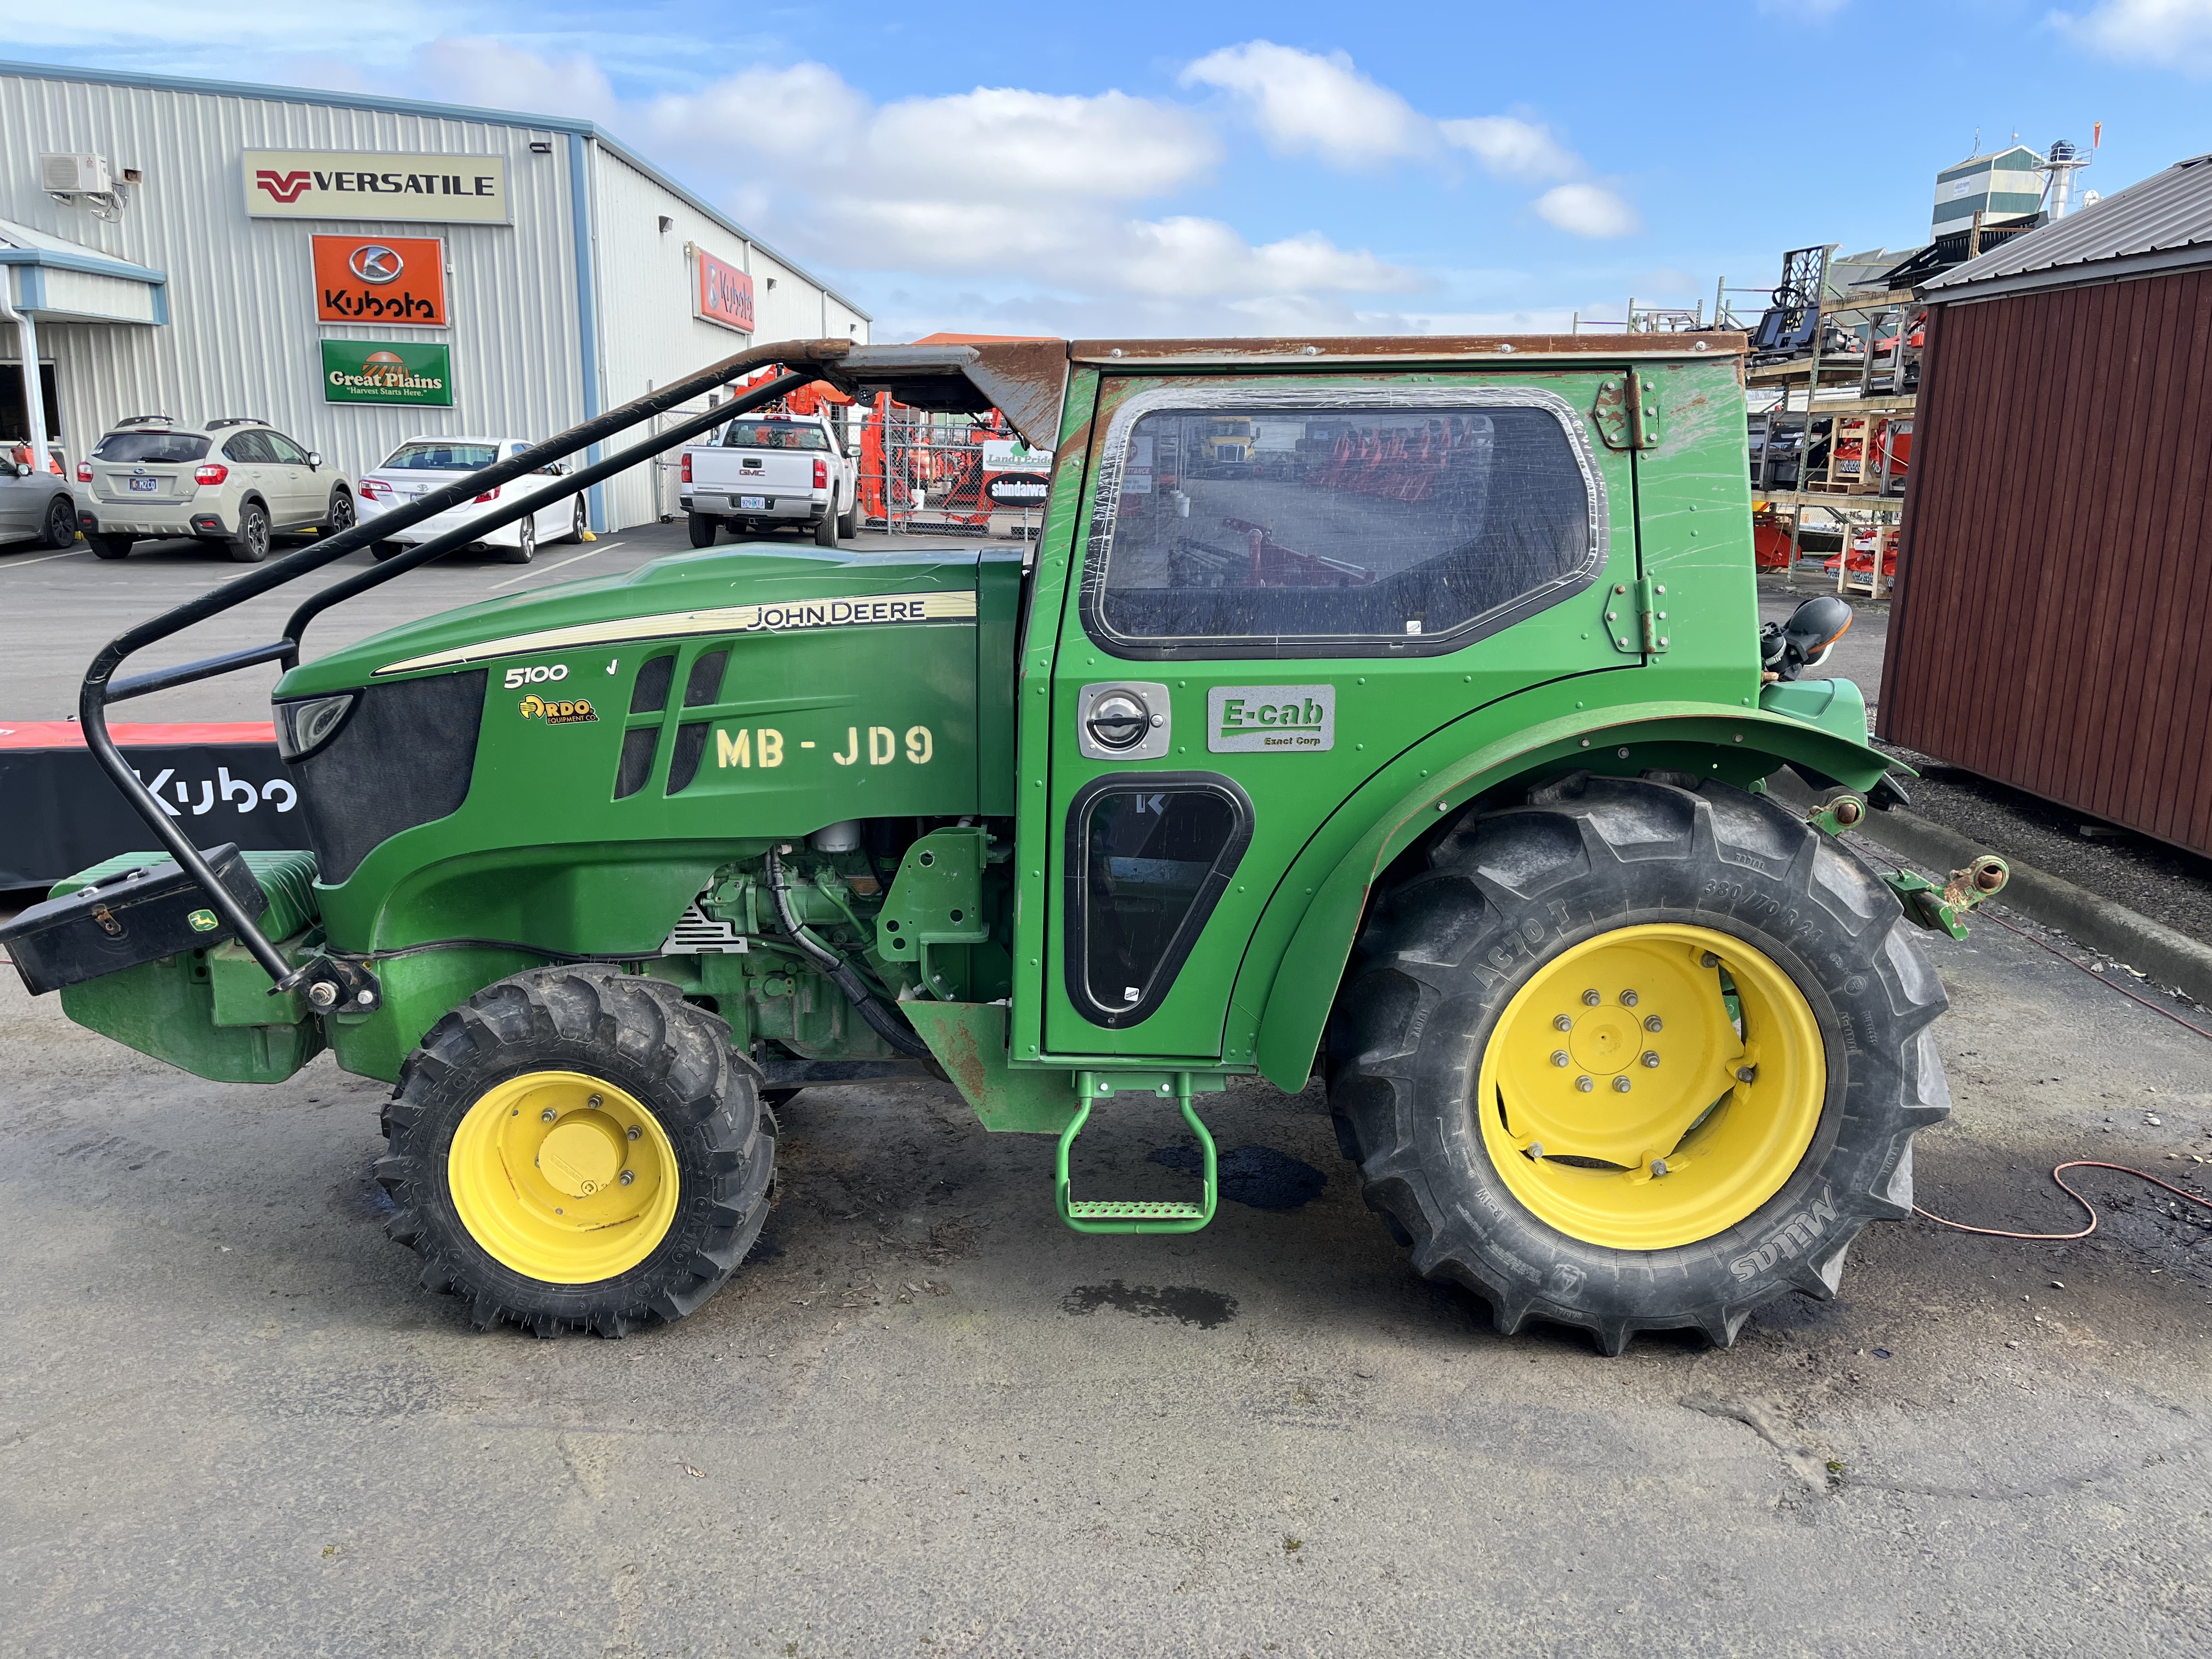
(547, 1115)
(628, 1175)
(1620, 1085)
(1658, 1166)
(1535, 1151)
(1651, 1022)
(1628, 999)
(1650, 1057)
(596, 1102)
(1563, 1023)
(1559, 1057)
(1585, 1084)
(1591, 999)
(634, 1131)
(1709, 960)
(1747, 1074)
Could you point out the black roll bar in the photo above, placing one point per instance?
(330, 983)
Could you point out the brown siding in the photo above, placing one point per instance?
(2053, 624)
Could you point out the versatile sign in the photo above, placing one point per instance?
(724, 294)
(391, 279)
(1243, 719)
(387, 371)
(791, 614)
(320, 183)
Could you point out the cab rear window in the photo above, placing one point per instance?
(1279, 530)
(774, 434)
(157, 447)
(440, 458)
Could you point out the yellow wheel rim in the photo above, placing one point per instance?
(1652, 1086)
(564, 1177)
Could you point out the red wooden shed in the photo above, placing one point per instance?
(2052, 626)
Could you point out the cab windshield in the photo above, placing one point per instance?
(774, 434)
(441, 456)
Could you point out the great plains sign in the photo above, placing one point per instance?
(320, 183)
(387, 371)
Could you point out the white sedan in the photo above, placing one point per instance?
(426, 463)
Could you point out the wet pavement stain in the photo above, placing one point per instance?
(1259, 1176)
(1184, 1302)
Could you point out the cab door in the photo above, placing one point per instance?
(1263, 620)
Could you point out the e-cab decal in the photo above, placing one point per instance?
(1243, 719)
(535, 707)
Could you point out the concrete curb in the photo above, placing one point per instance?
(2168, 957)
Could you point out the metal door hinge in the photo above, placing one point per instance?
(1627, 412)
(1635, 617)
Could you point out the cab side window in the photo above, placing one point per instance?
(1275, 529)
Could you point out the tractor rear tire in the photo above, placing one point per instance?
(1722, 1145)
(578, 1148)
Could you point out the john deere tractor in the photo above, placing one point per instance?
(1434, 760)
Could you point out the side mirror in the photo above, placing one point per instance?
(851, 452)
(314, 459)
(23, 468)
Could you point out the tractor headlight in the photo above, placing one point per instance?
(306, 726)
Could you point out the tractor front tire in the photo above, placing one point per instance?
(1638, 1055)
(578, 1148)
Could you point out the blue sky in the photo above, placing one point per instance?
(1154, 168)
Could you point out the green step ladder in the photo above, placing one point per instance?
(1137, 1215)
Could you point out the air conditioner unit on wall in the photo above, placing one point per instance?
(75, 175)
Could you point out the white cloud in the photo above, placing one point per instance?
(462, 68)
(1305, 103)
(1586, 210)
(1512, 148)
(2168, 34)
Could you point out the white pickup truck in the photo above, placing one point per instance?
(763, 470)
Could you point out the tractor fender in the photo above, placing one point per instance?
(1304, 938)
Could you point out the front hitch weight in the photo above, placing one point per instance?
(1943, 909)
(333, 987)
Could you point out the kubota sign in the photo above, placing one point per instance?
(380, 279)
(320, 183)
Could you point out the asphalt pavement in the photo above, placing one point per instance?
(925, 1419)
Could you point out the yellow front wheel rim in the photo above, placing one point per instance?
(564, 1177)
(1652, 1086)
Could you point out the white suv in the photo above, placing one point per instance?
(236, 481)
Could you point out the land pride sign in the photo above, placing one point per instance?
(387, 371)
(322, 184)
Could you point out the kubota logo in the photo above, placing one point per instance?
(372, 262)
(287, 187)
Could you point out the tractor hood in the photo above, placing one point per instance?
(737, 591)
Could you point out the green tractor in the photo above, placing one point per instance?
(1434, 760)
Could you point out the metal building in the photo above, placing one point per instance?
(2001, 185)
(355, 270)
(2056, 564)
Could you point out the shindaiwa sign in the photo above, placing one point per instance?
(322, 184)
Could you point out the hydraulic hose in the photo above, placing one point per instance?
(881, 1020)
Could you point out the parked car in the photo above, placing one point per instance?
(764, 471)
(236, 480)
(33, 503)
(424, 463)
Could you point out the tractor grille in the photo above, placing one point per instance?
(405, 758)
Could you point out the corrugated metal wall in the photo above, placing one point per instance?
(242, 335)
(2056, 575)
(649, 335)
